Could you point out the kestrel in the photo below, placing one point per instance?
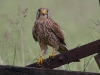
(47, 32)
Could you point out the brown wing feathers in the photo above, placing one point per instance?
(34, 33)
(57, 31)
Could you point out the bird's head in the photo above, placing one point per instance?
(42, 13)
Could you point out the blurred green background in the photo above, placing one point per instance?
(78, 18)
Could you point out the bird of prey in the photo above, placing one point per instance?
(48, 33)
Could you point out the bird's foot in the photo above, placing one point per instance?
(40, 61)
(52, 56)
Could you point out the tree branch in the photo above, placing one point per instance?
(71, 55)
(13, 70)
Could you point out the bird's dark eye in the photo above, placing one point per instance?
(47, 10)
(39, 10)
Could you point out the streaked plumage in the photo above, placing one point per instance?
(47, 32)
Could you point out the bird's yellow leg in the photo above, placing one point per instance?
(53, 54)
(40, 61)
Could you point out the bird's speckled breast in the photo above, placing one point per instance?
(44, 34)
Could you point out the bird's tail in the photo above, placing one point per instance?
(62, 48)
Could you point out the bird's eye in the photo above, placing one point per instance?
(39, 10)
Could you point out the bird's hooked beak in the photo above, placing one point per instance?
(43, 12)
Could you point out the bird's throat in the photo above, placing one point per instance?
(43, 17)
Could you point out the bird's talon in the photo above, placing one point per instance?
(52, 56)
(40, 62)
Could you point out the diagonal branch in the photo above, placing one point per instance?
(71, 55)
